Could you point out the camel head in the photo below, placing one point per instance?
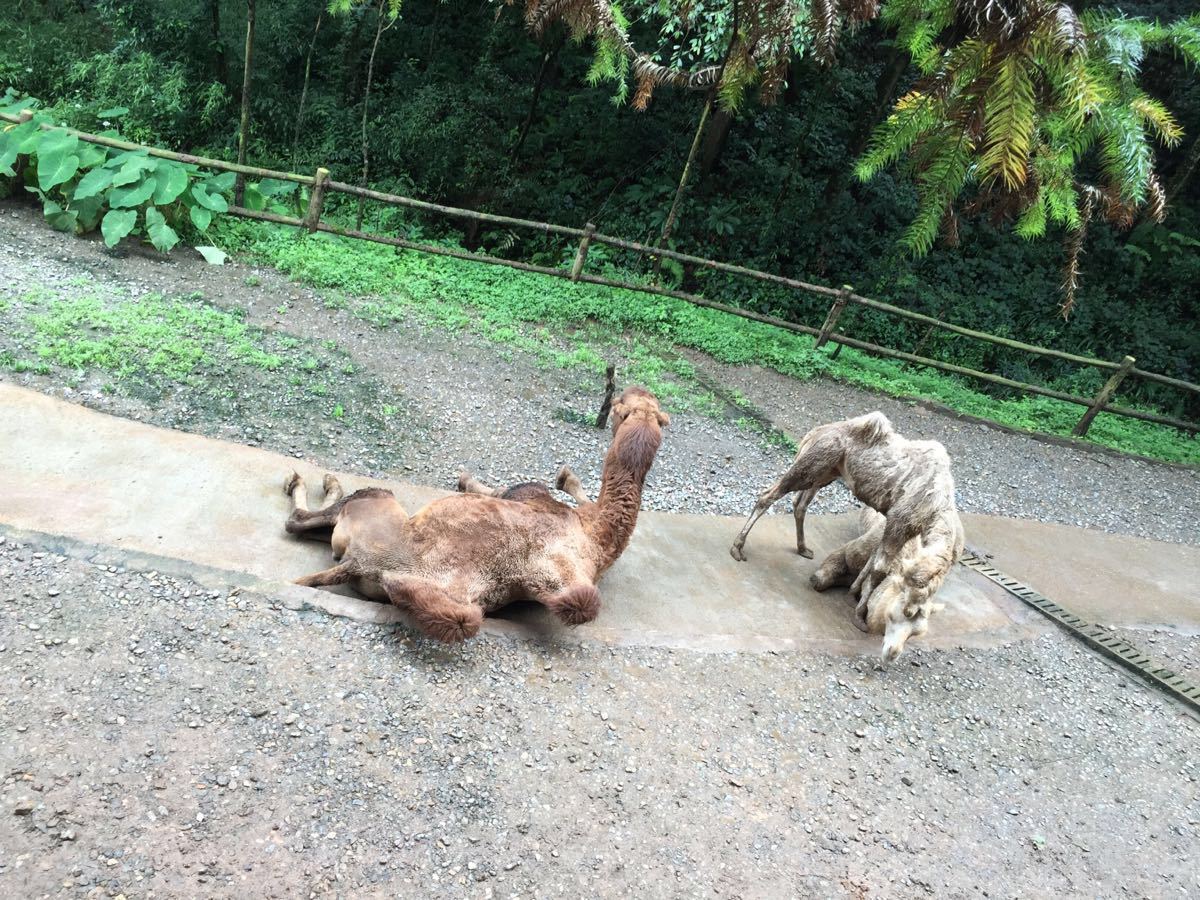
(900, 605)
(635, 404)
(637, 423)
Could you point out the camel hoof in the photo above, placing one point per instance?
(805, 552)
(737, 553)
(290, 483)
(560, 480)
(463, 477)
(575, 605)
(455, 625)
(330, 484)
(861, 624)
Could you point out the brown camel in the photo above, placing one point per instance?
(468, 554)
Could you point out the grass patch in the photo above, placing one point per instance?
(152, 337)
(567, 324)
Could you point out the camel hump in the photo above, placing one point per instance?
(874, 427)
(367, 493)
(527, 490)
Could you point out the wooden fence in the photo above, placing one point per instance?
(320, 185)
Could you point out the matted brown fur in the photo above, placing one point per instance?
(464, 555)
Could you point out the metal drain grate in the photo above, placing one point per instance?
(1099, 639)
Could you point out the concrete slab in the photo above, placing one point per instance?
(100, 479)
(1110, 578)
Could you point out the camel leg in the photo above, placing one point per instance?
(833, 570)
(860, 616)
(764, 502)
(339, 574)
(470, 485)
(815, 466)
(568, 482)
(302, 519)
(799, 508)
(333, 489)
(435, 611)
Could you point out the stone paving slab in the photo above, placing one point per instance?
(117, 483)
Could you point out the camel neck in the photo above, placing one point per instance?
(629, 459)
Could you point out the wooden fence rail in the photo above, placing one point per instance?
(321, 185)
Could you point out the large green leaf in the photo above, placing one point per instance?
(90, 155)
(134, 195)
(133, 170)
(201, 217)
(60, 219)
(11, 143)
(171, 180)
(252, 199)
(56, 168)
(117, 224)
(57, 142)
(114, 113)
(213, 255)
(122, 159)
(221, 183)
(93, 183)
(215, 202)
(89, 210)
(162, 235)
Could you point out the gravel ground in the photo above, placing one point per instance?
(170, 738)
(466, 402)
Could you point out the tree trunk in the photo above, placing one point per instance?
(304, 91)
(350, 61)
(547, 58)
(240, 188)
(669, 225)
(714, 141)
(437, 15)
(1183, 172)
(222, 60)
(380, 28)
(885, 89)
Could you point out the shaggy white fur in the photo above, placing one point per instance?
(901, 559)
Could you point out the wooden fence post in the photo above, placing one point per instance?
(581, 254)
(316, 200)
(835, 313)
(1102, 398)
(610, 388)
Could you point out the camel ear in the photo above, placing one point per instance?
(663, 419)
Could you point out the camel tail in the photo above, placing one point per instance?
(576, 604)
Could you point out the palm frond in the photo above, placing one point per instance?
(1157, 117)
(1010, 122)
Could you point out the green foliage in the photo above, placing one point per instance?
(532, 312)
(83, 185)
(173, 339)
(1047, 87)
(454, 88)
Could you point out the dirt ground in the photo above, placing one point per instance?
(170, 738)
(456, 399)
(168, 734)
